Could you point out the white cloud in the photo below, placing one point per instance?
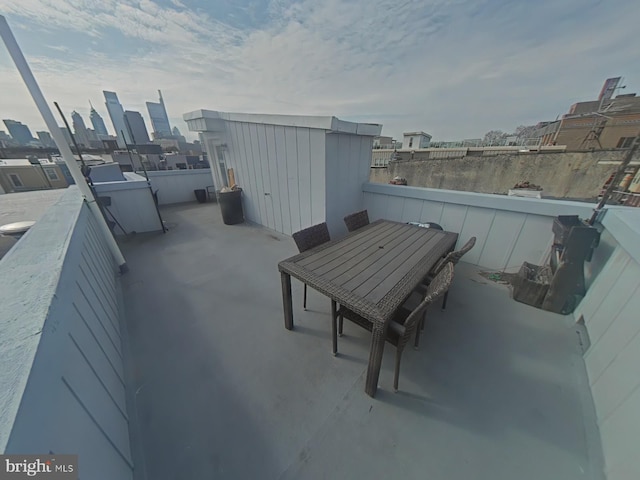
(452, 68)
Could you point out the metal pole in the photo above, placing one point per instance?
(133, 139)
(71, 135)
(31, 84)
(615, 180)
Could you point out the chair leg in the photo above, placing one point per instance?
(396, 373)
(419, 329)
(444, 300)
(304, 303)
(334, 333)
(340, 323)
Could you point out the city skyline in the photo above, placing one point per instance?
(454, 69)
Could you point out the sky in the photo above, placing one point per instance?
(453, 68)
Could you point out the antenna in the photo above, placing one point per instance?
(90, 105)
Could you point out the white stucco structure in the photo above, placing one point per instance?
(295, 171)
(414, 140)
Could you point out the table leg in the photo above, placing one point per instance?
(286, 300)
(334, 327)
(375, 360)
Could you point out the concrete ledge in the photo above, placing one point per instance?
(549, 208)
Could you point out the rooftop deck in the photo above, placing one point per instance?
(498, 390)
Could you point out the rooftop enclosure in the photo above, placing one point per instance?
(295, 171)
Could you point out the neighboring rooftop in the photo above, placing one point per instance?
(23, 206)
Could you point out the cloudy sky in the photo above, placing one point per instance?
(453, 68)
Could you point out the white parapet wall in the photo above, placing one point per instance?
(610, 314)
(132, 205)
(509, 230)
(62, 362)
(177, 186)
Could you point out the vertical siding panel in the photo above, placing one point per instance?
(394, 208)
(293, 179)
(477, 224)
(274, 178)
(432, 212)
(332, 187)
(623, 285)
(601, 288)
(353, 175)
(304, 175)
(622, 376)
(452, 217)
(263, 157)
(257, 153)
(283, 181)
(376, 205)
(318, 177)
(412, 210)
(253, 174)
(241, 160)
(501, 239)
(532, 243)
(619, 434)
(624, 327)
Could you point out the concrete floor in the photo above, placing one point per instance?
(498, 390)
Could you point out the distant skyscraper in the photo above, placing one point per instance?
(159, 118)
(19, 132)
(97, 122)
(46, 140)
(116, 113)
(80, 130)
(176, 132)
(65, 134)
(136, 127)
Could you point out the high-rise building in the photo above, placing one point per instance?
(80, 130)
(176, 132)
(97, 122)
(116, 113)
(136, 127)
(159, 118)
(46, 140)
(65, 134)
(19, 132)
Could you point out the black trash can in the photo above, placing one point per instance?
(231, 206)
(201, 195)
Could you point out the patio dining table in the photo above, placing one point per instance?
(371, 271)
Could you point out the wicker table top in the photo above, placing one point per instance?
(374, 269)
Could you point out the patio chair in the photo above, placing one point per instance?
(405, 322)
(309, 238)
(356, 220)
(452, 258)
